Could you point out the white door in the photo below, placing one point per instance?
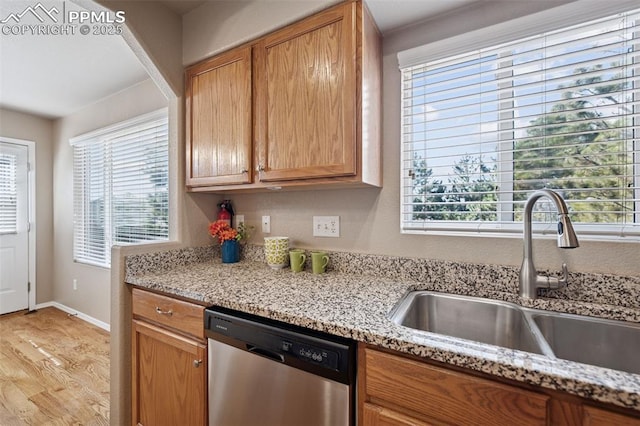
(14, 227)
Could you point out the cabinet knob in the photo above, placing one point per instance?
(159, 311)
(197, 363)
(260, 168)
(243, 171)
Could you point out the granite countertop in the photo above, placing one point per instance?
(356, 305)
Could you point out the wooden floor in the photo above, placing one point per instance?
(54, 370)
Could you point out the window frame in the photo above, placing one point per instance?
(98, 140)
(546, 21)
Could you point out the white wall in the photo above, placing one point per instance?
(18, 125)
(369, 218)
(93, 293)
(154, 33)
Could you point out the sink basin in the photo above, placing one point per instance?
(593, 341)
(605, 343)
(482, 320)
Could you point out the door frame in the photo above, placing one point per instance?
(31, 199)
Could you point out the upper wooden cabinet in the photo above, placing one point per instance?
(315, 115)
(305, 98)
(218, 124)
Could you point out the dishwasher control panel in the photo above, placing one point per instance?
(324, 357)
(319, 353)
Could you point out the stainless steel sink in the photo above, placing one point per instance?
(593, 341)
(482, 320)
(610, 344)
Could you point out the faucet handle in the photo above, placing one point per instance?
(565, 275)
(555, 283)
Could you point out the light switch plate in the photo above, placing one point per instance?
(266, 224)
(326, 226)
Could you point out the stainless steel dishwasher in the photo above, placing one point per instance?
(268, 373)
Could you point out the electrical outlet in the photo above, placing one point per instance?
(239, 219)
(326, 226)
(75, 284)
(266, 224)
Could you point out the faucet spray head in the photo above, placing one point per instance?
(566, 235)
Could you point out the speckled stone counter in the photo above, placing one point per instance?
(355, 296)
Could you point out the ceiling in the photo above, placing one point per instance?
(56, 75)
(388, 14)
(392, 14)
(181, 7)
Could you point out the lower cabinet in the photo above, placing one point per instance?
(412, 392)
(592, 416)
(401, 390)
(380, 416)
(169, 364)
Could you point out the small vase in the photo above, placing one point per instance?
(230, 251)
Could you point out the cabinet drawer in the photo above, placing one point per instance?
(379, 416)
(182, 316)
(450, 397)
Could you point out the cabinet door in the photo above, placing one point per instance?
(305, 87)
(169, 378)
(219, 120)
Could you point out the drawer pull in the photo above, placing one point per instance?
(197, 363)
(161, 312)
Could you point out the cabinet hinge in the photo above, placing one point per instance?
(28, 286)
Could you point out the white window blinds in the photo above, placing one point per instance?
(484, 129)
(120, 187)
(8, 193)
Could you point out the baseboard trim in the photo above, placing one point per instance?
(84, 317)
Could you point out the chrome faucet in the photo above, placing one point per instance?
(530, 281)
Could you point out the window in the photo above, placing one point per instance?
(120, 187)
(8, 193)
(483, 129)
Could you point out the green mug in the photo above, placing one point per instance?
(297, 258)
(319, 261)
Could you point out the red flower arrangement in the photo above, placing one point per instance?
(221, 230)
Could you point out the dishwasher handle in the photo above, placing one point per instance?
(265, 353)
